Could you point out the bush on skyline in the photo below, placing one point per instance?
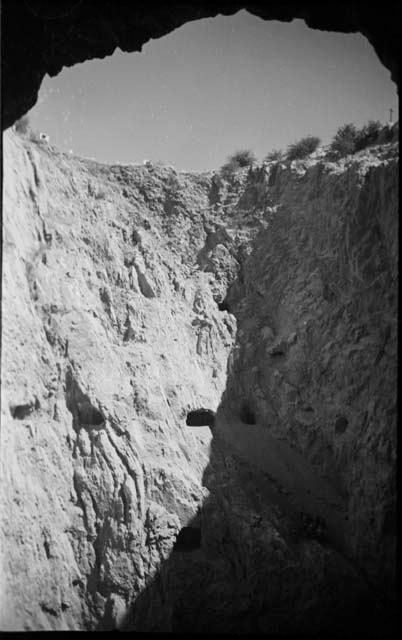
(302, 148)
(349, 139)
(275, 154)
(238, 160)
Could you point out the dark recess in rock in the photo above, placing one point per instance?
(87, 414)
(188, 539)
(223, 306)
(21, 411)
(47, 549)
(247, 415)
(341, 424)
(77, 583)
(80, 406)
(277, 353)
(49, 610)
(200, 418)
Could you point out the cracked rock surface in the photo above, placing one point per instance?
(135, 297)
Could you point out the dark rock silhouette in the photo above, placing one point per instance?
(65, 34)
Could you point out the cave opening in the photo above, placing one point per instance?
(200, 418)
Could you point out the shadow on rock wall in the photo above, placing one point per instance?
(277, 547)
(254, 560)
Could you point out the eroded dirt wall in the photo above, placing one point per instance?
(135, 295)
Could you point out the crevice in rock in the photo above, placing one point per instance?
(135, 473)
(126, 506)
(89, 415)
(94, 583)
(145, 287)
(46, 546)
(80, 406)
(80, 502)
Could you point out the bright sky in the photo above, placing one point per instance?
(214, 86)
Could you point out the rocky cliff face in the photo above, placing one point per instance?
(136, 302)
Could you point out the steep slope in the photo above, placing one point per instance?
(135, 295)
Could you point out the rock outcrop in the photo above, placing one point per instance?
(198, 394)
